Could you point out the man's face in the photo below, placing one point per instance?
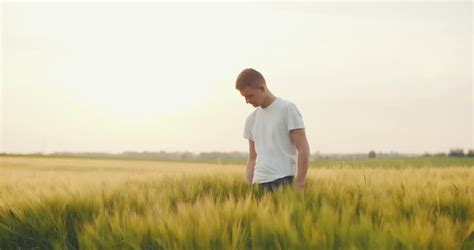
(253, 96)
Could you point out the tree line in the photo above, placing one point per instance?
(236, 155)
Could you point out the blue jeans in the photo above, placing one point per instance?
(272, 185)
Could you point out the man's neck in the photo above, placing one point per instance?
(268, 101)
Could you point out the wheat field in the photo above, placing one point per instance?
(66, 203)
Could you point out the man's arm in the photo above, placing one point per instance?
(299, 139)
(251, 162)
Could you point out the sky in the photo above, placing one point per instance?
(124, 76)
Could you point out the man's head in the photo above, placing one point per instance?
(252, 86)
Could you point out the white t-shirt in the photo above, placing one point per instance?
(270, 129)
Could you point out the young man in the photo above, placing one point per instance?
(275, 131)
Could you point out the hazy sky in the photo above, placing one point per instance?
(112, 77)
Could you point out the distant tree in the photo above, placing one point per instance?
(186, 156)
(470, 153)
(456, 152)
(426, 154)
(316, 156)
(372, 154)
(440, 154)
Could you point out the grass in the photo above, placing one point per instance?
(400, 162)
(59, 203)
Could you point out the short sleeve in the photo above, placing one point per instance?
(248, 129)
(294, 118)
